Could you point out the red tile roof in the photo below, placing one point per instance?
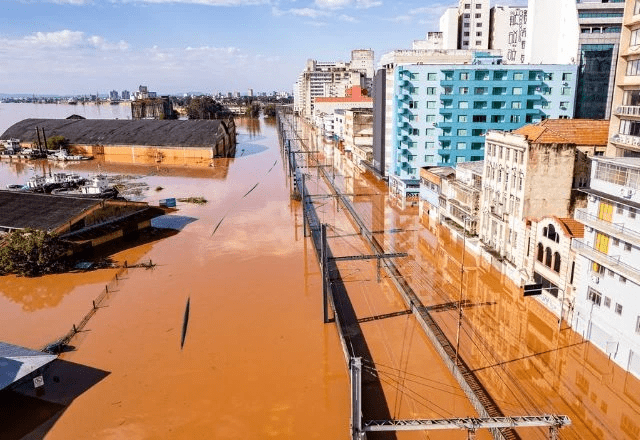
(570, 131)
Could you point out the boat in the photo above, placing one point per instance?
(114, 102)
(16, 187)
(48, 184)
(97, 187)
(63, 155)
(72, 101)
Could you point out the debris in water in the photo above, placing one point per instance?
(196, 200)
(185, 323)
(159, 188)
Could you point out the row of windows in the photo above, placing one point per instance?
(598, 14)
(509, 154)
(601, 29)
(596, 298)
(500, 75)
(545, 257)
(618, 175)
(481, 105)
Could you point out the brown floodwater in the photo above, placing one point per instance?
(257, 361)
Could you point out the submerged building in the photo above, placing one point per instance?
(150, 141)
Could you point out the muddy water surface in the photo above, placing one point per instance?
(257, 361)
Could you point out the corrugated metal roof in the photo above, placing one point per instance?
(17, 362)
(46, 212)
(179, 133)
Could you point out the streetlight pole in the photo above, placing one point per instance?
(464, 245)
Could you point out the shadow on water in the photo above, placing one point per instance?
(243, 150)
(374, 402)
(29, 414)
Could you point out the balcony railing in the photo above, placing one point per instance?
(626, 139)
(628, 110)
(616, 229)
(608, 261)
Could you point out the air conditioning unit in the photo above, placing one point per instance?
(589, 228)
(595, 279)
(565, 84)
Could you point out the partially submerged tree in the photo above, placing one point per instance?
(270, 111)
(205, 107)
(31, 252)
(57, 142)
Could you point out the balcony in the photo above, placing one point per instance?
(616, 230)
(608, 261)
(626, 139)
(628, 110)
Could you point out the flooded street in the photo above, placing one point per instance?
(257, 360)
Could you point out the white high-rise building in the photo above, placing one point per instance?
(552, 32)
(474, 24)
(332, 79)
(449, 28)
(509, 32)
(607, 308)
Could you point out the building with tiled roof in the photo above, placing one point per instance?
(550, 260)
(534, 172)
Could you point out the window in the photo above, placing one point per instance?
(619, 209)
(479, 105)
(627, 247)
(432, 76)
(413, 104)
(464, 76)
(482, 75)
(480, 90)
(478, 5)
(498, 104)
(463, 104)
(478, 15)
(462, 118)
(516, 105)
(467, 5)
(430, 132)
(462, 132)
(415, 132)
(478, 42)
(518, 76)
(477, 131)
(632, 212)
(622, 279)
(594, 296)
(616, 242)
(476, 146)
(496, 119)
(499, 90)
(635, 37)
(461, 145)
(517, 90)
(515, 119)
(636, 8)
(618, 309)
(540, 256)
(564, 105)
(429, 145)
(607, 302)
(464, 90)
(479, 118)
(430, 118)
(431, 104)
(566, 77)
(547, 257)
(431, 90)
(566, 91)
(499, 75)
(638, 320)
(478, 34)
(414, 90)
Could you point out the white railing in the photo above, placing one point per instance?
(609, 261)
(629, 110)
(626, 139)
(617, 228)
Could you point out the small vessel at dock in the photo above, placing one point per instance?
(63, 155)
(96, 187)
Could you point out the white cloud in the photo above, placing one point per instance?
(348, 18)
(300, 12)
(71, 2)
(202, 2)
(64, 39)
(340, 4)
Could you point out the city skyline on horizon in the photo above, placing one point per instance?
(179, 46)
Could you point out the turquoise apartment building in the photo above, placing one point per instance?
(442, 111)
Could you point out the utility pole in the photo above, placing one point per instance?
(464, 245)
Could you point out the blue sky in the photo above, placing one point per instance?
(176, 46)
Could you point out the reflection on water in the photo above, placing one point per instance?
(512, 342)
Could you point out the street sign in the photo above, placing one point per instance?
(38, 381)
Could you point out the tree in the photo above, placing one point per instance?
(57, 142)
(205, 107)
(270, 110)
(253, 110)
(31, 252)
